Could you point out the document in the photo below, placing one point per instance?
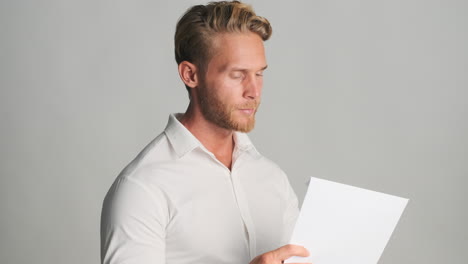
(342, 224)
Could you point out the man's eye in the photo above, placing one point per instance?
(259, 74)
(237, 76)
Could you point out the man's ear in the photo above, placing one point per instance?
(188, 72)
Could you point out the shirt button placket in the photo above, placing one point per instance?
(244, 211)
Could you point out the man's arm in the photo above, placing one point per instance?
(133, 224)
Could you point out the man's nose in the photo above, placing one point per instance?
(253, 87)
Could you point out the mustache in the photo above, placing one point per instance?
(252, 104)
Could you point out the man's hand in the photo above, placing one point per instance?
(277, 256)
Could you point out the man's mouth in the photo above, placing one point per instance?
(247, 111)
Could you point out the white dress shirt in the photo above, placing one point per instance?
(175, 203)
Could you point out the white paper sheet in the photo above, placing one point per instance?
(342, 224)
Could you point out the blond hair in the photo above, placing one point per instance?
(197, 27)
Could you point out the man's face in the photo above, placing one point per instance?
(229, 94)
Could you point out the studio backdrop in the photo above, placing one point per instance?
(367, 93)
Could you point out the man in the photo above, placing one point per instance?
(200, 192)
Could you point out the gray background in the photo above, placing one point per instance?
(368, 93)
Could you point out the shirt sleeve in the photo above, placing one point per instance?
(291, 211)
(133, 224)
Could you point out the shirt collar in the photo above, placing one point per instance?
(243, 142)
(181, 139)
(184, 141)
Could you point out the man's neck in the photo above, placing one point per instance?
(217, 140)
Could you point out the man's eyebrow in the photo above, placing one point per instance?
(244, 69)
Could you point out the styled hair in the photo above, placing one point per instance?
(197, 27)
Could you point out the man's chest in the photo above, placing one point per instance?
(220, 214)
